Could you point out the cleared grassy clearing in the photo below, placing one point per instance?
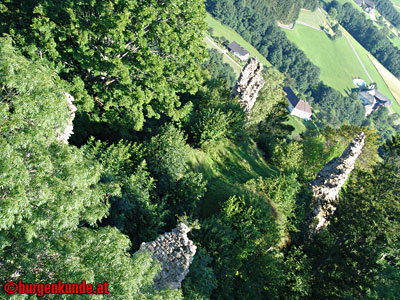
(231, 35)
(227, 167)
(395, 2)
(392, 82)
(312, 18)
(225, 59)
(336, 59)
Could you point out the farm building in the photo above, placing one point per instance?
(239, 51)
(367, 5)
(297, 107)
(372, 99)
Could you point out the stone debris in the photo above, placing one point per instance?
(249, 84)
(175, 252)
(328, 183)
(69, 128)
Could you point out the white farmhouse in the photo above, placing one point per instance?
(297, 107)
(239, 51)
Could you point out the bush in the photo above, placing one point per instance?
(211, 126)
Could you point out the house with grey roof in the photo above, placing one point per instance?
(239, 51)
(367, 5)
(372, 99)
(297, 107)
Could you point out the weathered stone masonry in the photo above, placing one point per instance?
(175, 252)
(329, 181)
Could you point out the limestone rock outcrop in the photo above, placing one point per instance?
(249, 84)
(329, 180)
(69, 127)
(175, 252)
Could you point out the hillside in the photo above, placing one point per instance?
(227, 167)
(221, 30)
(340, 60)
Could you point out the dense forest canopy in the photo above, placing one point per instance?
(147, 52)
(159, 139)
(386, 8)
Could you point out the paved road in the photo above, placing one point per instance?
(225, 52)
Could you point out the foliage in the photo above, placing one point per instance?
(268, 97)
(133, 211)
(166, 155)
(298, 274)
(335, 109)
(287, 156)
(386, 8)
(124, 68)
(353, 245)
(281, 193)
(255, 21)
(44, 184)
(211, 126)
(384, 122)
(201, 281)
(239, 241)
(53, 195)
(219, 69)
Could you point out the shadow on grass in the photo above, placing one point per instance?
(226, 168)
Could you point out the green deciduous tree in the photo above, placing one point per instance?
(53, 195)
(287, 156)
(268, 97)
(364, 230)
(211, 126)
(128, 59)
(240, 240)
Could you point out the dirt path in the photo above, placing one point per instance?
(224, 52)
(358, 57)
(308, 25)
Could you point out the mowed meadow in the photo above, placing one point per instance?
(337, 60)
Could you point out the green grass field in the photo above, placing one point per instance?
(298, 124)
(336, 59)
(231, 35)
(226, 167)
(376, 76)
(395, 2)
(312, 18)
(234, 66)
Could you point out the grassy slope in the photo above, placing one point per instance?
(225, 59)
(231, 35)
(382, 86)
(395, 40)
(298, 124)
(336, 59)
(227, 167)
